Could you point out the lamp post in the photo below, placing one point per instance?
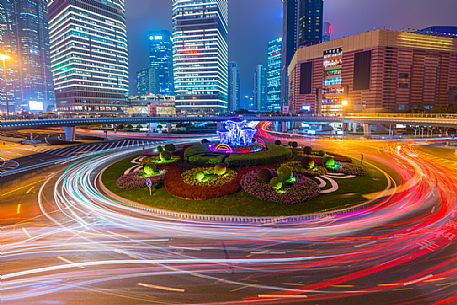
(4, 58)
(344, 104)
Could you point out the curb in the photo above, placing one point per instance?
(229, 218)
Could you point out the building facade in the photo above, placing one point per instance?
(274, 75)
(161, 60)
(302, 26)
(234, 93)
(260, 88)
(147, 81)
(89, 56)
(378, 71)
(24, 36)
(200, 56)
(152, 106)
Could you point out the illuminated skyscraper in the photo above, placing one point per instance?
(234, 96)
(200, 55)
(302, 26)
(24, 35)
(89, 56)
(274, 75)
(147, 82)
(161, 60)
(328, 31)
(260, 88)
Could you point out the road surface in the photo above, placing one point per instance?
(63, 242)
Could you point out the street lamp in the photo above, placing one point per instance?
(4, 58)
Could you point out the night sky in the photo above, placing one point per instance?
(252, 23)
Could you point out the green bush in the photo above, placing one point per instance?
(294, 144)
(206, 159)
(165, 156)
(170, 147)
(276, 183)
(220, 169)
(278, 142)
(264, 175)
(284, 173)
(204, 141)
(160, 148)
(322, 153)
(307, 150)
(329, 162)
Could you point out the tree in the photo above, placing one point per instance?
(307, 150)
(170, 147)
(294, 144)
(278, 142)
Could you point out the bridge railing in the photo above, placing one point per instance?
(403, 115)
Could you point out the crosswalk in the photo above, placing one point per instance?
(79, 150)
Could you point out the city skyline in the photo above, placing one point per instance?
(256, 25)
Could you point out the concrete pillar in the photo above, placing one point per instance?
(70, 133)
(169, 128)
(366, 130)
(284, 127)
(354, 127)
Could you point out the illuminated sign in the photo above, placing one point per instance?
(36, 106)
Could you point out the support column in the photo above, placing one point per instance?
(366, 130)
(284, 127)
(169, 128)
(70, 133)
(354, 127)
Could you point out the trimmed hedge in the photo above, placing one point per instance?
(273, 154)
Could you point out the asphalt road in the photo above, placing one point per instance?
(63, 242)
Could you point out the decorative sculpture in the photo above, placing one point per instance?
(236, 134)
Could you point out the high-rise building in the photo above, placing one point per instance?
(302, 26)
(310, 22)
(234, 93)
(200, 55)
(147, 82)
(161, 59)
(24, 35)
(274, 75)
(260, 88)
(89, 56)
(328, 31)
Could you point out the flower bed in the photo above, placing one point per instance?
(302, 190)
(207, 176)
(176, 186)
(133, 180)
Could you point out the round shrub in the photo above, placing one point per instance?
(322, 153)
(160, 148)
(284, 173)
(150, 170)
(204, 141)
(165, 156)
(315, 171)
(307, 162)
(294, 144)
(220, 169)
(302, 190)
(278, 142)
(264, 175)
(276, 183)
(200, 176)
(307, 150)
(170, 147)
(329, 162)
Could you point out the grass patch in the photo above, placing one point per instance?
(350, 193)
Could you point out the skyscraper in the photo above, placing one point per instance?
(24, 34)
(274, 75)
(234, 93)
(302, 26)
(147, 82)
(260, 88)
(89, 56)
(161, 60)
(310, 22)
(200, 55)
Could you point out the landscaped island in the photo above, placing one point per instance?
(240, 175)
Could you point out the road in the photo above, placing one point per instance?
(63, 242)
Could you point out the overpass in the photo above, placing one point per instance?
(367, 120)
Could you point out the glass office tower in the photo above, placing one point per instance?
(234, 95)
(89, 56)
(200, 56)
(274, 75)
(161, 60)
